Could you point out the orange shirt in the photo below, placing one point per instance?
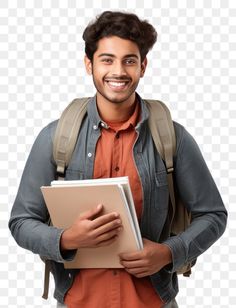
(115, 288)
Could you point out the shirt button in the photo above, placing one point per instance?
(70, 275)
(118, 136)
(90, 154)
(104, 125)
(117, 168)
(95, 127)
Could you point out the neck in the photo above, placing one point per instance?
(115, 112)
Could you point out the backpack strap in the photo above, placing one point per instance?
(67, 132)
(47, 269)
(163, 134)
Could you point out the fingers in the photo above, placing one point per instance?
(101, 220)
(107, 239)
(105, 219)
(132, 256)
(114, 225)
(91, 214)
(138, 268)
(133, 264)
(104, 223)
(92, 229)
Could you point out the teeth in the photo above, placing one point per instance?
(116, 84)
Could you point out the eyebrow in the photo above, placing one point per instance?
(113, 56)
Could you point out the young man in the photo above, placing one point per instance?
(115, 141)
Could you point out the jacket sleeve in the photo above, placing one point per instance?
(29, 215)
(200, 195)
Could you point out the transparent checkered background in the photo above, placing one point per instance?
(191, 68)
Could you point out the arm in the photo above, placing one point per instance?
(199, 193)
(29, 216)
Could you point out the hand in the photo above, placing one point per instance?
(148, 261)
(91, 230)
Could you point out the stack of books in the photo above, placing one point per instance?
(66, 200)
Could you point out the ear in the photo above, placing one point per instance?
(88, 65)
(143, 67)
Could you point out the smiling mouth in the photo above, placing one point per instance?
(118, 85)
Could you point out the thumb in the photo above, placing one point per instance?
(92, 213)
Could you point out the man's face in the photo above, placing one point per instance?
(116, 69)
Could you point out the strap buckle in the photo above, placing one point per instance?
(170, 170)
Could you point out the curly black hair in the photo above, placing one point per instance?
(124, 25)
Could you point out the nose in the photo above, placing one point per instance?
(118, 69)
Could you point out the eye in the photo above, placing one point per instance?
(130, 61)
(107, 60)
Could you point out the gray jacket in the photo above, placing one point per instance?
(193, 182)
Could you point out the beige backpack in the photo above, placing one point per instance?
(163, 134)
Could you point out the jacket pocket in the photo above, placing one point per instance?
(72, 174)
(160, 192)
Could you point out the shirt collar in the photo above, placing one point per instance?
(96, 120)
